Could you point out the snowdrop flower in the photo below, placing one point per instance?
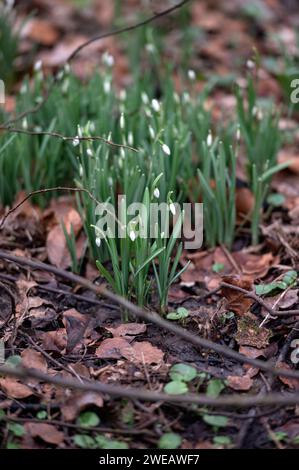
(250, 64)
(132, 235)
(92, 126)
(176, 97)
(110, 181)
(122, 121)
(89, 152)
(38, 129)
(81, 171)
(260, 114)
(76, 141)
(80, 132)
(67, 68)
(156, 193)
(122, 95)
(122, 153)
(151, 132)
(108, 59)
(156, 105)
(148, 113)
(150, 48)
(172, 208)
(144, 98)
(238, 134)
(25, 123)
(23, 89)
(186, 97)
(191, 75)
(98, 241)
(130, 139)
(209, 139)
(107, 86)
(166, 149)
(38, 66)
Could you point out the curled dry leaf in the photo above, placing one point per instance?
(112, 348)
(139, 353)
(242, 383)
(79, 401)
(75, 324)
(34, 360)
(14, 389)
(291, 383)
(46, 432)
(128, 330)
(237, 301)
(54, 340)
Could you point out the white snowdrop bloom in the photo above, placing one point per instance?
(122, 153)
(156, 193)
(186, 97)
(110, 181)
(37, 129)
(98, 241)
(250, 64)
(67, 68)
(150, 48)
(122, 95)
(92, 126)
(89, 152)
(25, 123)
(132, 235)
(191, 75)
(122, 121)
(38, 99)
(162, 234)
(130, 139)
(209, 139)
(24, 89)
(108, 59)
(107, 86)
(166, 149)
(38, 66)
(156, 105)
(76, 141)
(145, 98)
(254, 110)
(151, 132)
(80, 132)
(260, 114)
(148, 113)
(176, 97)
(172, 208)
(238, 134)
(81, 171)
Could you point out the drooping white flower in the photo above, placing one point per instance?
(156, 105)
(38, 66)
(156, 193)
(151, 132)
(122, 121)
(132, 235)
(108, 59)
(107, 86)
(250, 64)
(89, 152)
(238, 134)
(209, 139)
(191, 75)
(25, 124)
(122, 95)
(172, 208)
(81, 171)
(150, 48)
(145, 98)
(76, 141)
(166, 149)
(130, 139)
(98, 241)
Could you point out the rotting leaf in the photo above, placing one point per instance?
(237, 302)
(46, 432)
(75, 324)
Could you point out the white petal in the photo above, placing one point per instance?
(133, 235)
(172, 208)
(157, 193)
(98, 241)
(166, 149)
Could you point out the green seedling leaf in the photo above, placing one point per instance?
(42, 415)
(183, 373)
(89, 419)
(176, 387)
(16, 429)
(215, 387)
(13, 361)
(178, 315)
(169, 440)
(288, 280)
(222, 440)
(217, 267)
(275, 200)
(215, 420)
(84, 441)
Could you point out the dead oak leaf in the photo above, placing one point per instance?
(237, 301)
(14, 389)
(112, 348)
(128, 330)
(46, 432)
(77, 402)
(34, 360)
(75, 324)
(144, 353)
(241, 383)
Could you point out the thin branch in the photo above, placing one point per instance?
(57, 135)
(256, 298)
(238, 401)
(43, 191)
(151, 317)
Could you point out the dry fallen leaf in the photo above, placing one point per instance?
(34, 360)
(237, 301)
(75, 324)
(112, 348)
(14, 389)
(128, 330)
(242, 383)
(77, 402)
(46, 432)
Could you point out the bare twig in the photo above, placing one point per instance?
(65, 138)
(238, 401)
(256, 298)
(151, 317)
